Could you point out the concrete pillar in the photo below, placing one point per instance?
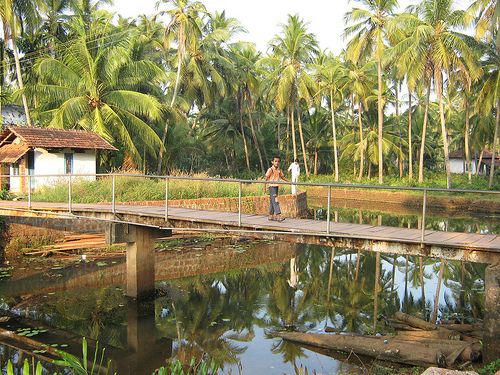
(147, 352)
(140, 256)
(491, 337)
(140, 263)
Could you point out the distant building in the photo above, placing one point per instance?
(40, 151)
(13, 115)
(458, 163)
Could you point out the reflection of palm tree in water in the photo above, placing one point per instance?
(294, 276)
(205, 314)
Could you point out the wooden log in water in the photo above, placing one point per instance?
(436, 334)
(386, 348)
(463, 328)
(414, 321)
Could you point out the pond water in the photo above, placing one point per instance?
(399, 216)
(220, 299)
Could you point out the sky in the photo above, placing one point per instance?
(262, 18)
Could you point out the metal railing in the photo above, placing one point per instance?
(72, 177)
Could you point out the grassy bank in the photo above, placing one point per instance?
(129, 189)
(433, 180)
(144, 189)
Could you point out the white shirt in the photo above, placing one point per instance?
(294, 168)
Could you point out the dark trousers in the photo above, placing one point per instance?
(274, 206)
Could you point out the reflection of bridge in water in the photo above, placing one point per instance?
(146, 351)
(140, 225)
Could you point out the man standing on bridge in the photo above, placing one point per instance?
(295, 169)
(274, 173)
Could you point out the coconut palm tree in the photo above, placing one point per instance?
(368, 30)
(18, 16)
(183, 28)
(487, 19)
(291, 51)
(360, 81)
(489, 98)
(333, 81)
(432, 25)
(94, 86)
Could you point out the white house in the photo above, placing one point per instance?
(30, 151)
(481, 162)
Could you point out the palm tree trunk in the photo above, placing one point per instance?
(466, 140)
(361, 156)
(479, 162)
(20, 76)
(254, 136)
(315, 161)
(358, 263)
(377, 289)
(294, 143)
(495, 145)
(444, 133)
(380, 122)
(393, 281)
(245, 147)
(405, 298)
(334, 133)
(410, 156)
(422, 286)
(436, 296)
(424, 129)
(279, 132)
(287, 130)
(301, 134)
(330, 278)
(400, 161)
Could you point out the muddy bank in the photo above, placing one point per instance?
(395, 202)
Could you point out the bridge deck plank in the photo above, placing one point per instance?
(260, 222)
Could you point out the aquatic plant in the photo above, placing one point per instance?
(82, 367)
(37, 370)
(177, 368)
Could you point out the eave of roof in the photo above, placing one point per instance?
(58, 138)
(11, 153)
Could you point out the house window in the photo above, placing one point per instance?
(31, 162)
(15, 169)
(68, 163)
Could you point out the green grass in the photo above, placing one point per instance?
(128, 189)
(434, 180)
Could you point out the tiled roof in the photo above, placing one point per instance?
(11, 153)
(57, 138)
(459, 154)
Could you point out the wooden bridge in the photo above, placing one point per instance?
(139, 225)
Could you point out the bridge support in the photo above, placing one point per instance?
(140, 256)
(491, 349)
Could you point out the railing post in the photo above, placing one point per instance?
(166, 198)
(69, 194)
(424, 205)
(29, 191)
(239, 204)
(328, 210)
(113, 207)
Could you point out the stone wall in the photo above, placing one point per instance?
(291, 205)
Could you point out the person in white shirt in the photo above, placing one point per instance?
(295, 169)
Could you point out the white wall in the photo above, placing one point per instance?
(457, 166)
(53, 164)
(15, 181)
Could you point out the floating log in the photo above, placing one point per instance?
(464, 328)
(414, 322)
(436, 334)
(398, 325)
(419, 353)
